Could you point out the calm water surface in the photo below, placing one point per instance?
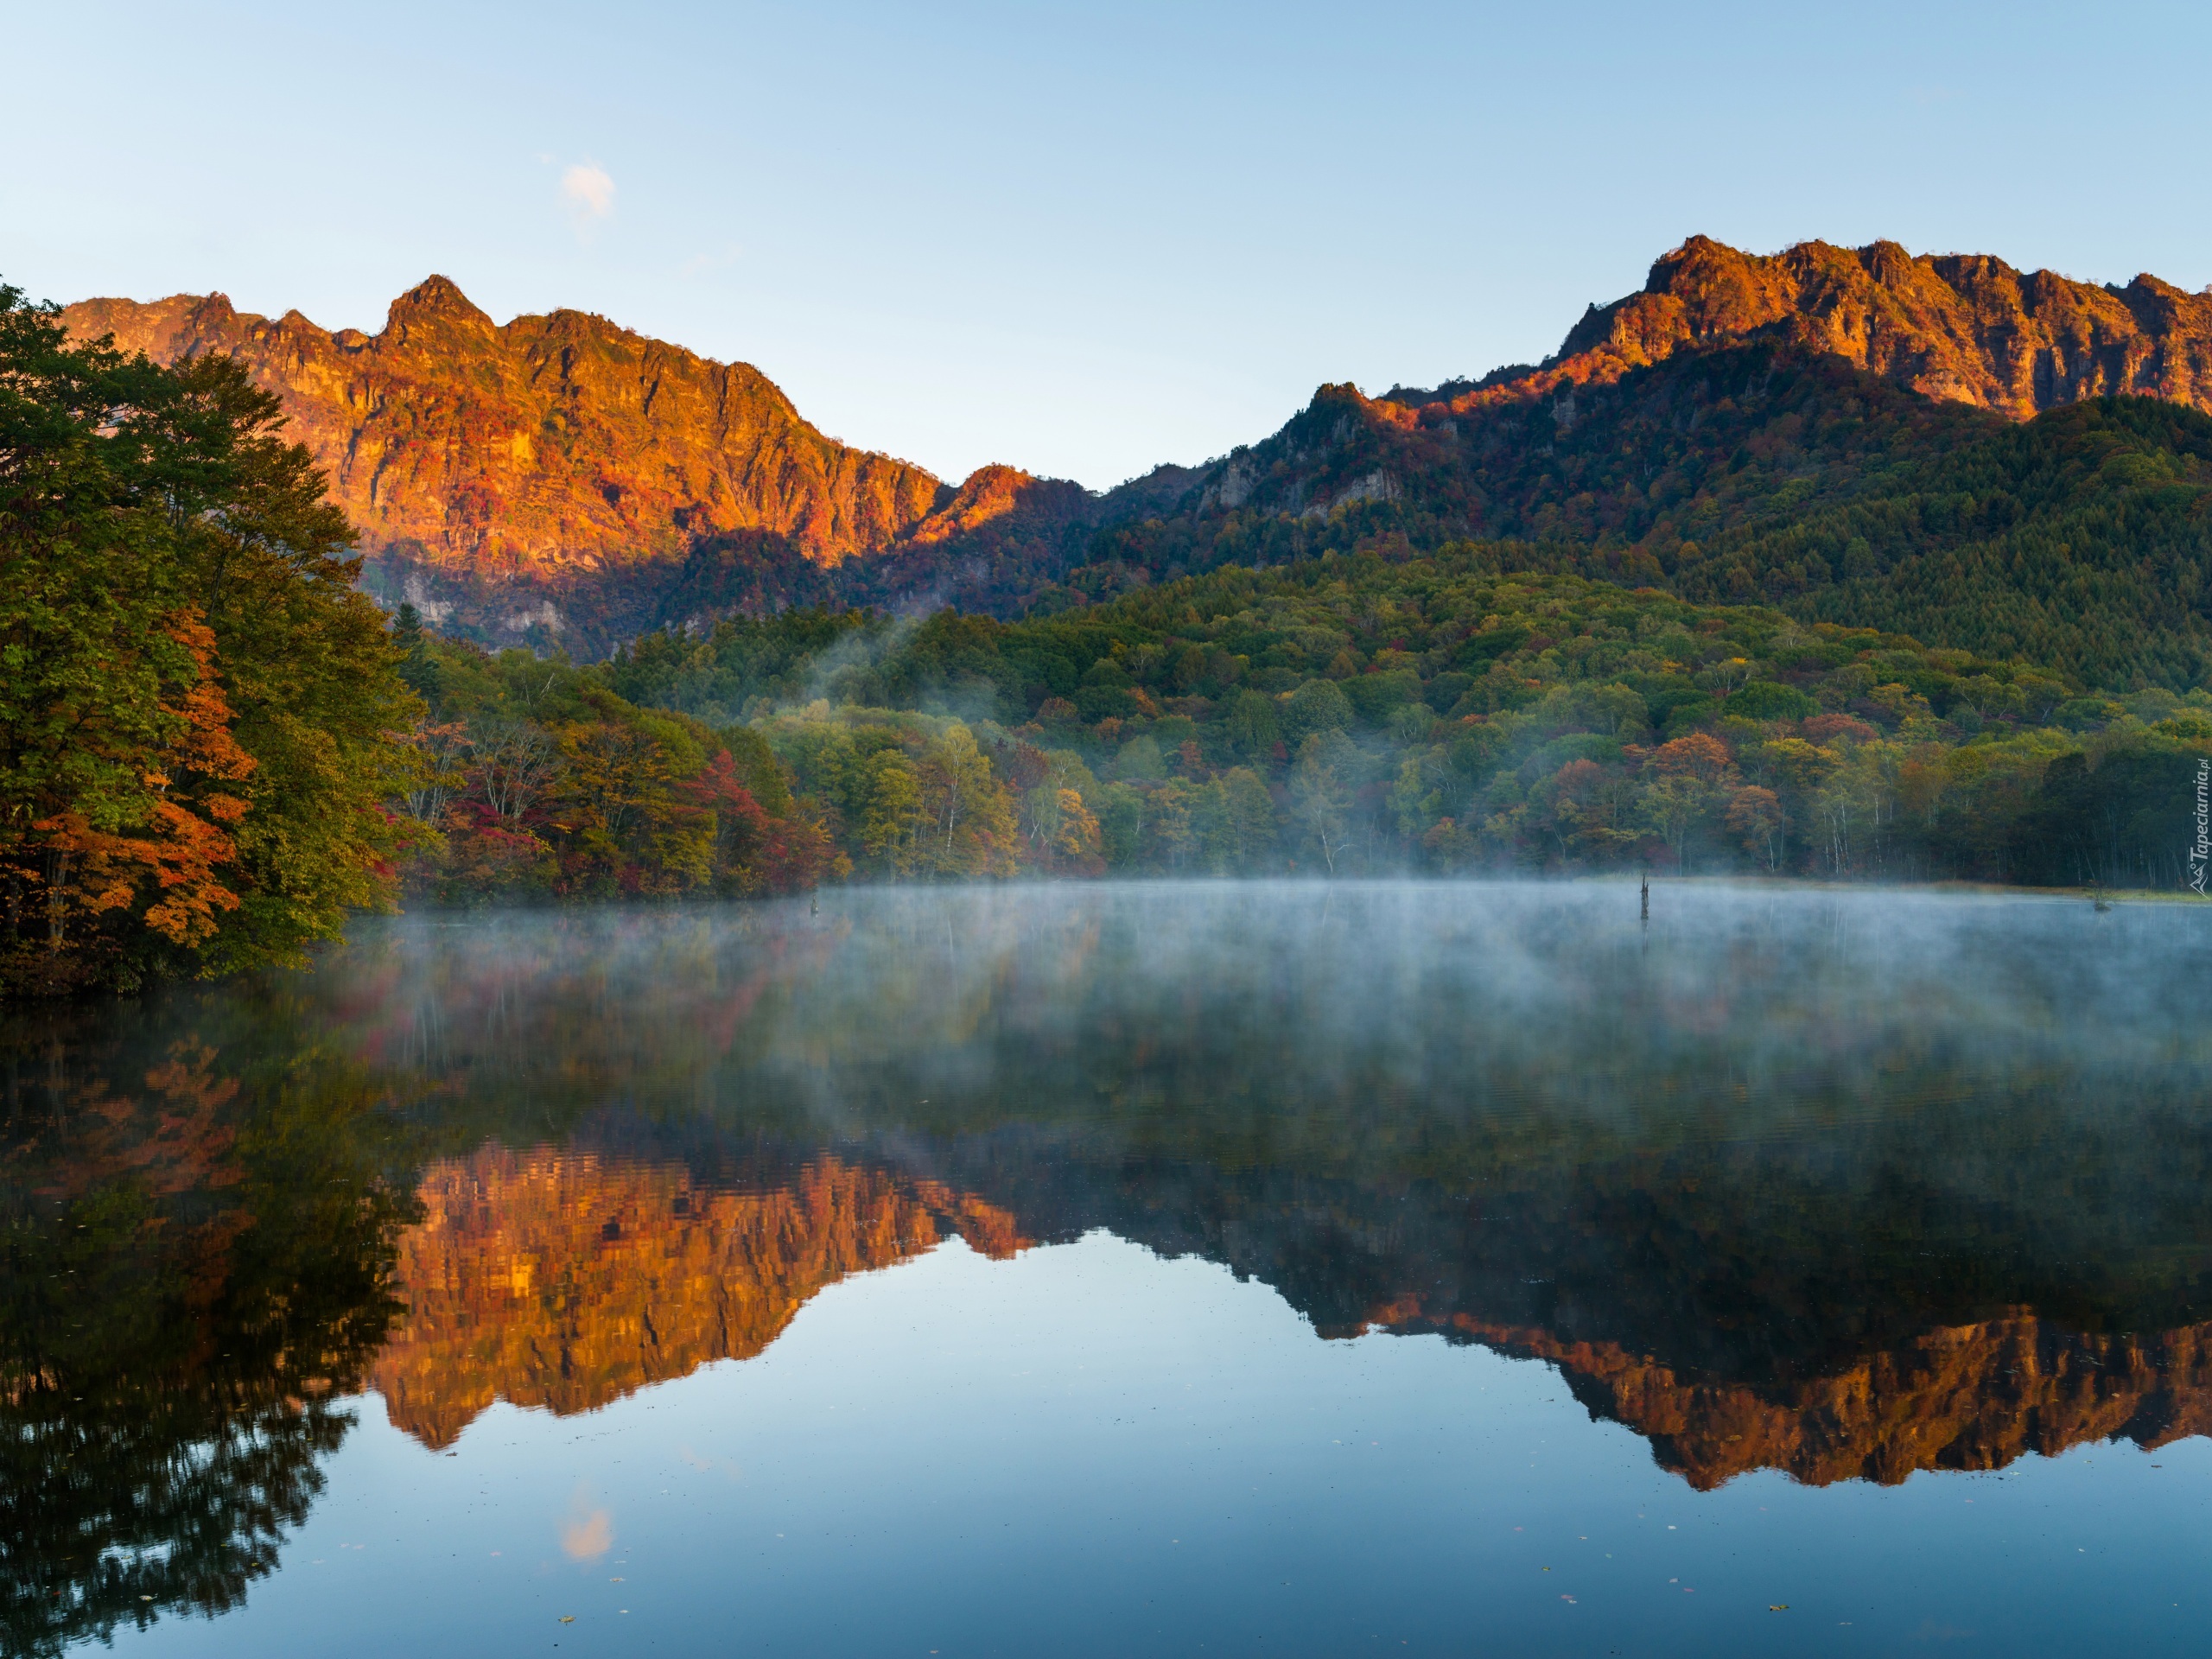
(1151, 1269)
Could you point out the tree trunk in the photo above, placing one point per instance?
(57, 902)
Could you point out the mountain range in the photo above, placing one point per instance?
(565, 1281)
(562, 480)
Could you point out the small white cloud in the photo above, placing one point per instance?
(588, 190)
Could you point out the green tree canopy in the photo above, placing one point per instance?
(199, 715)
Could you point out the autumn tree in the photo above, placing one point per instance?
(972, 827)
(197, 718)
(1321, 795)
(1755, 819)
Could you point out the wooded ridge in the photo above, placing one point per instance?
(1832, 563)
(560, 481)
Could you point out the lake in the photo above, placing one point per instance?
(1179, 1268)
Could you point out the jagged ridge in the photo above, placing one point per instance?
(560, 478)
(554, 441)
(1962, 329)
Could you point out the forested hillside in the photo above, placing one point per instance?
(2081, 539)
(538, 779)
(1724, 601)
(1834, 431)
(1361, 714)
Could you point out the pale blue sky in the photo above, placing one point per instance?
(1078, 238)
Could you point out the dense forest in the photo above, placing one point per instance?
(2081, 540)
(213, 747)
(538, 778)
(1346, 714)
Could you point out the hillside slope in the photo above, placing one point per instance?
(1824, 428)
(2018, 465)
(2081, 539)
(553, 442)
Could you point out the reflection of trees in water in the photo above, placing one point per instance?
(196, 1262)
(1776, 1141)
(172, 1498)
(1738, 1183)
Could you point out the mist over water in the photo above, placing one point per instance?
(1780, 1211)
(1344, 977)
(1460, 1013)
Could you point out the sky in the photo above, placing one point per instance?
(1079, 238)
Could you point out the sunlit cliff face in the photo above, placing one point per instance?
(544, 442)
(566, 1281)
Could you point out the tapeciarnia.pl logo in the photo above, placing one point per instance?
(2200, 852)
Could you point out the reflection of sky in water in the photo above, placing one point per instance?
(945, 1271)
(1087, 1450)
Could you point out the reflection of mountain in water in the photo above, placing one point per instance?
(1842, 1184)
(1833, 1185)
(1974, 1396)
(568, 1279)
(1835, 1335)
(565, 1280)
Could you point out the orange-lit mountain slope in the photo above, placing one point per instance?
(551, 442)
(567, 1280)
(559, 479)
(1957, 328)
(1713, 333)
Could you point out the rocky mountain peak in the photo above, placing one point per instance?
(551, 443)
(437, 304)
(441, 295)
(564, 448)
(1958, 327)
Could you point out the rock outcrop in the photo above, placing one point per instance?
(551, 442)
(1962, 329)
